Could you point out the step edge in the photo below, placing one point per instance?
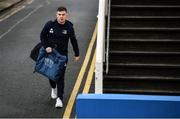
(145, 17)
(141, 52)
(146, 91)
(145, 28)
(141, 77)
(145, 6)
(142, 40)
(144, 65)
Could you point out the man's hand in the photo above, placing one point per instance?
(48, 49)
(76, 58)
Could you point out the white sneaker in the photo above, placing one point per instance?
(53, 93)
(58, 103)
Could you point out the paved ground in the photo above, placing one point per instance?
(24, 94)
(6, 4)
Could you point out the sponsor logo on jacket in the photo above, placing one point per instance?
(51, 30)
(64, 32)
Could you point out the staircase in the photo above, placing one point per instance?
(144, 55)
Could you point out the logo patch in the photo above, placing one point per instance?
(64, 31)
(51, 30)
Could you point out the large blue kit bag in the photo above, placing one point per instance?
(50, 64)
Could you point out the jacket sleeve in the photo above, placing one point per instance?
(74, 41)
(44, 35)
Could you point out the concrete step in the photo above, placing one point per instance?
(144, 57)
(144, 54)
(144, 33)
(145, 2)
(167, 22)
(119, 10)
(143, 69)
(144, 46)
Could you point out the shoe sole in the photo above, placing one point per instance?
(53, 98)
(58, 107)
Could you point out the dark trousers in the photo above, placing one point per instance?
(60, 84)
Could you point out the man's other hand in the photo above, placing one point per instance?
(48, 49)
(76, 58)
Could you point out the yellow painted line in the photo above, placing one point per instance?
(7, 15)
(13, 11)
(90, 75)
(72, 98)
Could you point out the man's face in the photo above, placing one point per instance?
(61, 16)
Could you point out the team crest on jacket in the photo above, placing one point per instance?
(64, 31)
(51, 30)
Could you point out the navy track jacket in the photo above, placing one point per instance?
(57, 36)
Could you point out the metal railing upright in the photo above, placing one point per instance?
(100, 46)
(108, 35)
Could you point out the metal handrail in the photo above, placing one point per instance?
(100, 47)
(108, 33)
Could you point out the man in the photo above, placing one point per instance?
(56, 34)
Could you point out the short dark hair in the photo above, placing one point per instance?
(61, 8)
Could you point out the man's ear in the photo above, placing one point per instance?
(67, 16)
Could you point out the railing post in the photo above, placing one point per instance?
(108, 34)
(100, 48)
